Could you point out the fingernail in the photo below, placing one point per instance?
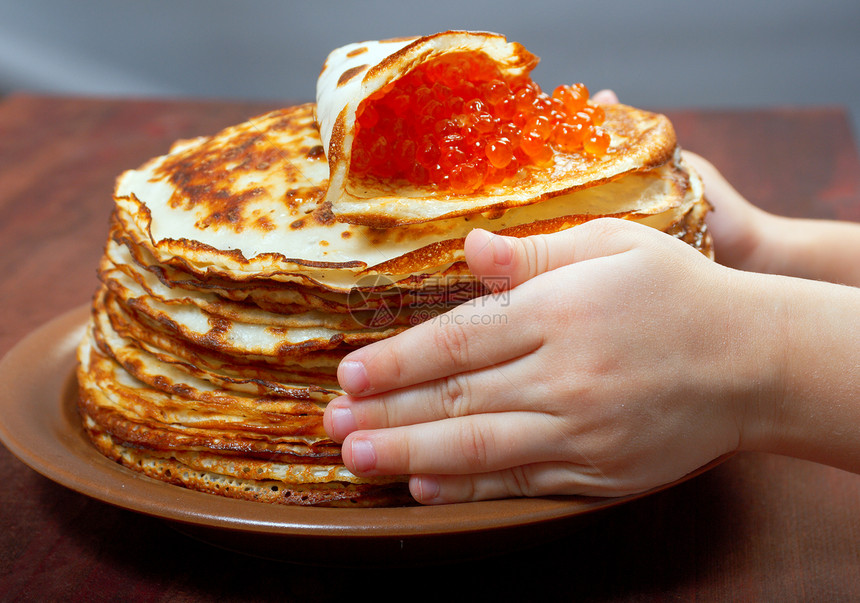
(363, 455)
(342, 422)
(424, 488)
(352, 377)
(503, 250)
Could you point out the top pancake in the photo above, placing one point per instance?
(640, 140)
(248, 204)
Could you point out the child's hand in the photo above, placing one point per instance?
(620, 360)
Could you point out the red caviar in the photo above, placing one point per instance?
(458, 123)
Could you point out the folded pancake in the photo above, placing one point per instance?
(471, 83)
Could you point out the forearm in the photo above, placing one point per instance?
(750, 239)
(813, 249)
(817, 415)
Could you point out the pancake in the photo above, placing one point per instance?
(238, 226)
(165, 467)
(237, 273)
(355, 73)
(218, 441)
(166, 364)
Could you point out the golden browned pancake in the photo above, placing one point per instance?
(640, 140)
(153, 417)
(262, 215)
(230, 292)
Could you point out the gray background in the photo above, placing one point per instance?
(730, 53)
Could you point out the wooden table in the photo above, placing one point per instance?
(757, 527)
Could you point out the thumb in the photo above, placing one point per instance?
(605, 97)
(503, 262)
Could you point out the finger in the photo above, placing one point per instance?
(537, 479)
(462, 445)
(497, 388)
(716, 184)
(514, 260)
(605, 97)
(736, 224)
(472, 336)
(706, 169)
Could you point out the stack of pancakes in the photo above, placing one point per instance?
(231, 290)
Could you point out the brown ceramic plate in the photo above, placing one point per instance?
(39, 424)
